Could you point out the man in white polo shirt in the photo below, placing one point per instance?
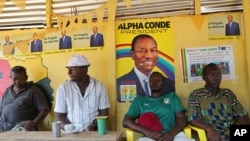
(82, 98)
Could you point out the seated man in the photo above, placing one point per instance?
(161, 116)
(213, 108)
(82, 98)
(23, 105)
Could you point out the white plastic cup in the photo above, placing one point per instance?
(56, 129)
(68, 128)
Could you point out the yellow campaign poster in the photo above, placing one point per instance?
(43, 53)
(225, 26)
(127, 66)
(33, 41)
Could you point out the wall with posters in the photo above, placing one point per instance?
(45, 53)
(175, 35)
(206, 33)
(199, 36)
(47, 66)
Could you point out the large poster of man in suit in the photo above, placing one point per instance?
(141, 48)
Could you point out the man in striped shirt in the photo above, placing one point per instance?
(82, 98)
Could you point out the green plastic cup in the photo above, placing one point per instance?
(101, 124)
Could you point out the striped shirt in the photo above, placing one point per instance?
(81, 111)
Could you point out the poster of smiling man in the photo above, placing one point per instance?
(143, 46)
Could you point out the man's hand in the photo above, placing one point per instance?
(153, 135)
(213, 135)
(168, 136)
(30, 125)
(90, 128)
(93, 126)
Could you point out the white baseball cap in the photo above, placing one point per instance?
(77, 60)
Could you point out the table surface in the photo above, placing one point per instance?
(47, 136)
